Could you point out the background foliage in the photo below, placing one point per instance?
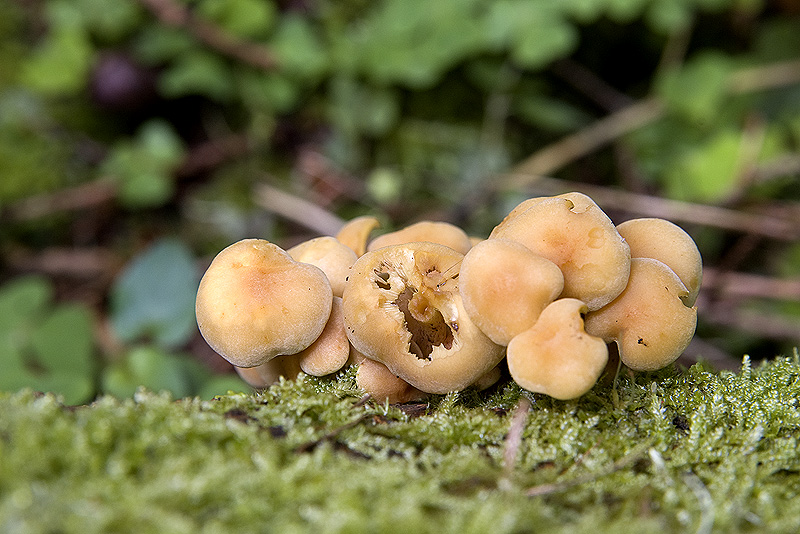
(139, 137)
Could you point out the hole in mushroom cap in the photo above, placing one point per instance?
(430, 332)
(383, 280)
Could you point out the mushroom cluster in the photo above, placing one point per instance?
(427, 309)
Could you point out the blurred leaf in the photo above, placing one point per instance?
(710, 172)
(197, 72)
(669, 17)
(143, 166)
(300, 53)
(272, 92)
(154, 296)
(360, 108)
(156, 44)
(61, 63)
(148, 367)
(110, 20)
(42, 348)
(244, 18)
(696, 90)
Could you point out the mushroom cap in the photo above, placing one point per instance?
(669, 243)
(266, 374)
(573, 232)
(330, 351)
(402, 308)
(330, 255)
(255, 302)
(383, 386)
(355, 233)
(505, 286)
(442, 233)
(649, 320)
(556, 356)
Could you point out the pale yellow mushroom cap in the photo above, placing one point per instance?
(327, 253)
(255, 302)
(330, 351)
(402, 308)
(649, 321)
(442, 233)
(505, 286)
(383, 386)
(355, 233)
(669, 243)
(556, 356)
(573, 232)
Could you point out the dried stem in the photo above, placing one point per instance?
(176, 15)
(514, 437)
(297, 210)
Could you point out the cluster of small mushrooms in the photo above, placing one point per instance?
(429, 310)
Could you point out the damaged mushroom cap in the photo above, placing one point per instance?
(402, 308)
(669, 243)
(330, 351)
(574, 233)
(556, 356)
(255, 302)
(505, 286)
(327, 253)
(383, 386)
(266, 374)
(649, 320)
(355, 233)
(442, 233)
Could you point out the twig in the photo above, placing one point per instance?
(514, 438)
(305, 447)
(555, 487)
(784, 229)
(590, 84)
(79, 197)
(747, 285)
(176, 15)
(297, 210)
(763, 77)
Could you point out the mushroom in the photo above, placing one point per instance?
(435, 232)
(255, 302)
(402, 308)
(330, 255)
(505, 286)
(355, 233)
(383, 386)
(330, 351)
(669, 243)
(649, 320)
(268, 373)
(573, 232)
(556, 356)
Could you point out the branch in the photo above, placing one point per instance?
(176, 15)
(297, 210)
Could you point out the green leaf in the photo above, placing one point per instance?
(696, 90)
(708, 173)
(154, 296)
(358, 108)
(197, 72)
(250, 19)
(60, 65)
(22, 300)
(300, 53)
(157, 44)
(64, 341)
(147, 367)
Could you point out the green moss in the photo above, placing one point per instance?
(680, 451)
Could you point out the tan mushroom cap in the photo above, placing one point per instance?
(402, 308)
(442, 233)
(330, 351)
(574, 233)
(505, 286)
(556, 356)
(355, 233)
(649, 321)
(255, 302)
(669, 243)
(383, 386)
(330, 255)
(266, 374)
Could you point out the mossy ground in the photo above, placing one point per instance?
(681, 451)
